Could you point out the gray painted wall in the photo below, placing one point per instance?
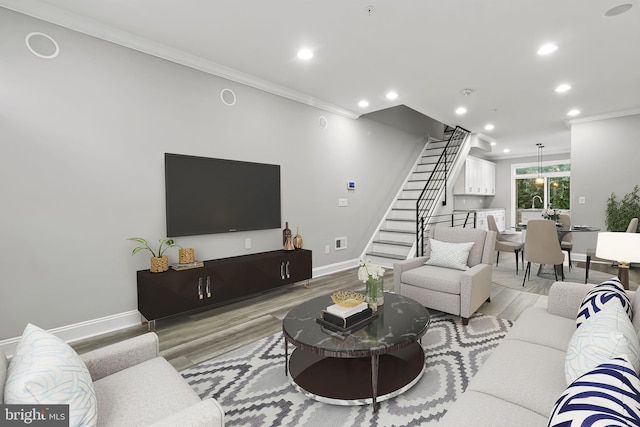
(604, 160)
(83, 140)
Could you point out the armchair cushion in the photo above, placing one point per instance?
(439, 279)
(449, 255)
(46, 370)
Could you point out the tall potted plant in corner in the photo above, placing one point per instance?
(159, 261)
(620, 212)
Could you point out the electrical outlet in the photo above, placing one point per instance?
(343, 202)
(327, 249)
(582, 200)
(247, 243)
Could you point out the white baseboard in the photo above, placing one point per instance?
(334, 268)
(103, 325)
(82, 330)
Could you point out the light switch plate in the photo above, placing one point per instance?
(582, 200)
(343, 202)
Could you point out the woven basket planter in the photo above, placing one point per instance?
(159, 264)
(186, 256)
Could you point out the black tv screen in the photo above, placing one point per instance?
(206, 196)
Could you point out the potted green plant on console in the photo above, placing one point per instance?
(159, 261)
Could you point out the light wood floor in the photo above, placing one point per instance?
(188, 340)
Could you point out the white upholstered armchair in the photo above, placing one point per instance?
(447, 278)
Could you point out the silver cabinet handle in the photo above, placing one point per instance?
(287, 270)
(208, 286)
(282, 270)
(200, 293)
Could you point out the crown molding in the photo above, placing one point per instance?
(604, 116)
(96, 29)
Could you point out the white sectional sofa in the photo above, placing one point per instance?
(522, 379)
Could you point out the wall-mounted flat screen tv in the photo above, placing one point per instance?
(206, 195)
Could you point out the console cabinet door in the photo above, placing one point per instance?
(164, 294)
(297, 265)
(228, 278)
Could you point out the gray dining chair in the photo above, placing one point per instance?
(541, 246)
(504, 245)
(567, 241)
(591, 252)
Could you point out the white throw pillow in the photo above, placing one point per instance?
(450, 255)
(603, 336)
(605, 396)
(46, 370)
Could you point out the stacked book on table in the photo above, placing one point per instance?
(187, 266)
(346, 318)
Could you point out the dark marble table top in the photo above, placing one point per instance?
(401, 321)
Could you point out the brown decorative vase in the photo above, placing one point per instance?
(186, 255)
(297, 241)
(159, 264)
(287, 239)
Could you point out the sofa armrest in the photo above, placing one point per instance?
(207, 413)
(565, 298)
(402, 266)
(116, 357)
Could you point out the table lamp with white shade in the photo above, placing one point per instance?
(621, 247)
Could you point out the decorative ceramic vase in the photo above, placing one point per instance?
(186, 255)
(287, 239)
(159, 264)
(297, 241)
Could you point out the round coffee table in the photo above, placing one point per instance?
(376, 362)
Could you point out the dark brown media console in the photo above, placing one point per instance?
(219, 282)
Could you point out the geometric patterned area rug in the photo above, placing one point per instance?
(251, 385)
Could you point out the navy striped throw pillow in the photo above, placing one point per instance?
(609, 395)
(603, 293)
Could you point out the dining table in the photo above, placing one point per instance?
(564, 230)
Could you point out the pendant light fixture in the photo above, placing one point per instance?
(539, 180)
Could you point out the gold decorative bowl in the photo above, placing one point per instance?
(347, 298)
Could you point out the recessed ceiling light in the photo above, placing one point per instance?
(363, 103)
(618, 10)
(506, 150)
(391, 95)
(573, 112)
(563, 88)
(305, 54)
(489, 126)
(461, 110)
(548, 48)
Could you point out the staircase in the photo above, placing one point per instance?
(424, 189)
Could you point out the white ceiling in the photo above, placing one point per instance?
(426, 50)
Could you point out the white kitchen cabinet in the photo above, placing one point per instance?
(478, 177)
(498, 214)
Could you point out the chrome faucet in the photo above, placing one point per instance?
(533, 201)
